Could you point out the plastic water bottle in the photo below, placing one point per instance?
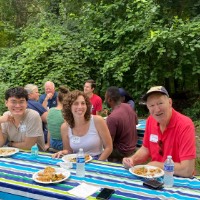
(34, 151)
(80, 163)
(169, 172)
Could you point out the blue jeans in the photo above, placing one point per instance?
(56, 144)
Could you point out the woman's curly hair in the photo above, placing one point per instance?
(67, 104)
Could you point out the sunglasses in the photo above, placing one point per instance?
(160, 144)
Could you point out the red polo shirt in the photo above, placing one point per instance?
(178, 139)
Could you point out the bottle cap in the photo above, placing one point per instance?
(169, 156)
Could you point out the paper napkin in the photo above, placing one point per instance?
(84, 190)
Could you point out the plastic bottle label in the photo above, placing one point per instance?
(169, 168)
(80, 160)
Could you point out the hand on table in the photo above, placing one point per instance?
(57, 155)
(60, 154)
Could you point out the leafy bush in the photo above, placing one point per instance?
(130, 44)
(3, 87)
(194, 111)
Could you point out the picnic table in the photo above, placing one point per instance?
(17, 170)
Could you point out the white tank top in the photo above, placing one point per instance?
(90, 142)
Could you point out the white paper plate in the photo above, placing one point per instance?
(70, 157)
(58, 171)
(8, 151)
(152, 172)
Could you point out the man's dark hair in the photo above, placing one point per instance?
(93, 84)
(18, 92)
(113, 94)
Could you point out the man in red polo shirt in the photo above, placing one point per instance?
(95, 100)
(167, 132)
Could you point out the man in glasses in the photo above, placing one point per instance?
(20, 127)
(167, 132)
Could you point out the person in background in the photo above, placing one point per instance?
(95, 100)
(49, 99)
(33, 96)
(126, 98)
(122, 125)
(82, 129)
(55, 120)
(20, 127)
(167, 132)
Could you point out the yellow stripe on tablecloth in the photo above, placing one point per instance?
(40, 188)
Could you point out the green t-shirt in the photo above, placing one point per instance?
(54, 122)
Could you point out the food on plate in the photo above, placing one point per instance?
(155, 171)
(49, 175)
(73, 159)
(6, 151)
(141, 171)
(50, 170)
(147, 171)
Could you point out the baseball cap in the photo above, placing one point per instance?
(160, 89)
(122, 92)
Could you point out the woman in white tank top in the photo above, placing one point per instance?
(83, 130)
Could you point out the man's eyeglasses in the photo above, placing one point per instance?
(160, 143)
(22, 102)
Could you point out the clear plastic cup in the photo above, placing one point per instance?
(65, 165)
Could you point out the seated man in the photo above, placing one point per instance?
(95, 100)
(126, 98)
(33, 96)
(167, 132)
(121, 124)
(49, 99)
(20, 127)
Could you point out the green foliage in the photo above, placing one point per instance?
(193, 111)
(47, 53)
(131, 44)
(181, 8)
(139, 49)
(7, 35)
(3, 87)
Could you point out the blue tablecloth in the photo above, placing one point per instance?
(16, 178)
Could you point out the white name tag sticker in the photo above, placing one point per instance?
(153, 138)
(76, 139)
(22, 128)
